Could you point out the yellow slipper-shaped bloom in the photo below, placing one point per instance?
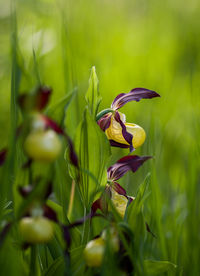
(114, 132)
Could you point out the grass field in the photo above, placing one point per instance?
(152, 44)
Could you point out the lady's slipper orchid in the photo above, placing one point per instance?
(42, 142)
(113, 190)
(120, 133)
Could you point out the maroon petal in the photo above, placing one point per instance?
(102, 202)
(36, 101)
(5, 232)
(104, 122)
(42, 97)
(125, 164)
(119, 189)
(127, 136)
(118, 145)
(96, 205)
(50, 213)
(3, 154)
(53, 125)
(66, 235)
(72, 154)
(49, 123)
(135, 94)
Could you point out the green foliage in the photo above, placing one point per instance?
(93, 151)
(148, 44)
(92, 96)
(158, 267)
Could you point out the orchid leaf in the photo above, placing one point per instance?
(158, 267)
(92, 96)
(58, 110)
(93, 151)
(56, 268)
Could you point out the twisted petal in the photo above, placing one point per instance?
(125, 164)
(135, 94)
(124, 135)
(104, 122)
(118, 145)
(127, 136)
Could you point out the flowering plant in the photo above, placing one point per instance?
(120, 133)
(58, 195)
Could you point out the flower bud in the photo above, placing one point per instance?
(36, 229)
(43, 145)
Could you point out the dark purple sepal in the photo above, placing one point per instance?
(37, 101)
(96, 205)
(105, 121)
(49, 213)
(130, 199)
(118, 145)
(66, 235)
(49, 123)
(5, 232)
(3, 154)
(102, 202)
(127, 136)
(135, 94)
(42, 97)
(72, 154)
(119, 189)
(125, 164)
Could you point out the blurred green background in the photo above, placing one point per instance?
(152, 44)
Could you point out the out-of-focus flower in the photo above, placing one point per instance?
(42, 142)
(120, 133)
(43, 145)
(36, 229)
(113, 190)
(94, 250)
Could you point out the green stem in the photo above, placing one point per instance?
(103, 112)
(33, 262)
